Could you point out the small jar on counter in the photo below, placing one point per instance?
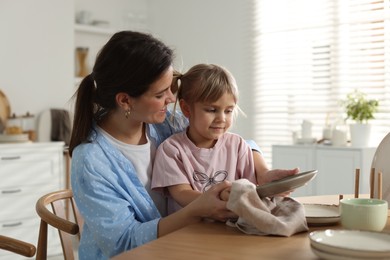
(28, 126)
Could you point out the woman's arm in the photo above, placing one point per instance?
(208, 205)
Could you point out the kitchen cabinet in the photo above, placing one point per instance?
(27, 172)
(336, 167)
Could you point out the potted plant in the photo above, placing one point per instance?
(360, 110)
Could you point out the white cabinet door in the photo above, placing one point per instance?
(336, 171)
(339, 164)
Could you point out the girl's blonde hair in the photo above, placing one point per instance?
(204, 83)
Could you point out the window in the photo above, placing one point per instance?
(309, 55)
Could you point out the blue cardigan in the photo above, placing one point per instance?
(118, 212)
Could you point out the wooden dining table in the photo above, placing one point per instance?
(216, 240)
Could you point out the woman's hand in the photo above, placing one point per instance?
(207, 205)
(211, 205)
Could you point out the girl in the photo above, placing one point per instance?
(189, 163)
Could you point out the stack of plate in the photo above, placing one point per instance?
(350, 244)
(18, 138)
(321, 214)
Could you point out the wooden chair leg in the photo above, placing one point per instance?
(42, 242)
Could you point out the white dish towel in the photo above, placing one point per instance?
(280, 216)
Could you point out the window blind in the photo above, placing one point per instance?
(308, 56)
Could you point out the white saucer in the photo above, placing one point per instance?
(352, 243)
(285, 184)
(381, 164)
(306, 140)
(321, 214)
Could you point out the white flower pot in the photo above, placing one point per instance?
(360, 135)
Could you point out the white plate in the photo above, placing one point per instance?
(352, 243)
(285, 184)
(381, 163)
(329, 256)
(321, 214)
(5, 109)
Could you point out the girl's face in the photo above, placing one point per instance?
(151, 107)
(208, 121)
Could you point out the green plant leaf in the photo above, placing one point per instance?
(359, 108)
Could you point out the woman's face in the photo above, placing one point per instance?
(151, 107)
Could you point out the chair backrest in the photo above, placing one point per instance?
(64, 216)
(17, 246)
(381, 163)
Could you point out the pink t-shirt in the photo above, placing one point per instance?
(179, 161)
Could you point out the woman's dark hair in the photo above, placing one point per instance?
(129, 62)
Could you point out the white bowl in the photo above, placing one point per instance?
(363, 214)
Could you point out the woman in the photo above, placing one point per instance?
(120, 118)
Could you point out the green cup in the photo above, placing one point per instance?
(363, 214)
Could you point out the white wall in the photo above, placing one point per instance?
(37, 65)
(120, 14)
(212, 32)
(36, 54)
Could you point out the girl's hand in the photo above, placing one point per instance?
(277, 174)
(264, 175)
(224, 195)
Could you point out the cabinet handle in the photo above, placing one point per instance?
(11, 158)
(13, 224)
(11, 191)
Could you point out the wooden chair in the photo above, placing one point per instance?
(380, 163)
(17, 246)
(69, 227)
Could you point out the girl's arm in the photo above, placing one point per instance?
(261, 167)
(264, 174)
(183, 194)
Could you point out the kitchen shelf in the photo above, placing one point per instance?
(93, 29)
(93, 38)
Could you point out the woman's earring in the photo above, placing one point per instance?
(127, 113)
